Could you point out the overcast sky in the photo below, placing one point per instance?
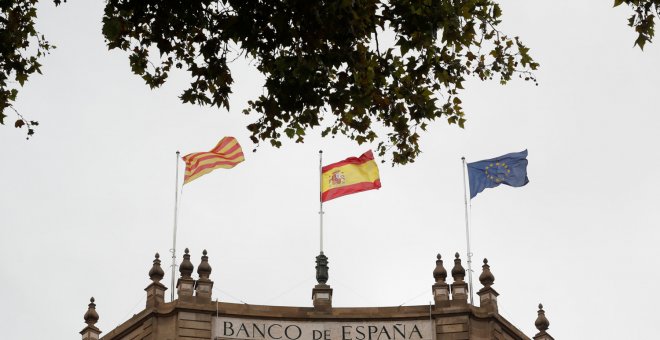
(86, 202)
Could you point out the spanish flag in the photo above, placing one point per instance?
(225, 155)
(350, 176)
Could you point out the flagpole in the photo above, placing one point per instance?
(176, 206)
(467, 232)
(320, 199)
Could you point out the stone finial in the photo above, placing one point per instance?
(486, 278)
(459, 289)
(91, 332)
(322, 269)
(91, 316)
(204, 268)
(156, 272)
(155, 290)
(186, 267)
(440, 288)
(186, 284)
(322, 293)
(487, 295)
(458, 272)
(439, 273)
(204, 286)
(541, 323)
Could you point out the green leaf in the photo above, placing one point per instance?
(111, 28)
(322, 64)
(640, 41)
(21, 78)
(497, 11)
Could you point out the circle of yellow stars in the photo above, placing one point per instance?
(494, 175)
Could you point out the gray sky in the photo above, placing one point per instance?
(88, 200)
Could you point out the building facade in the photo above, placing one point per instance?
(194, 315)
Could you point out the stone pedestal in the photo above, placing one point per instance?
(441, 294)
(155, 294)
(459, 293)
(203, 289)
(90, 333)
(322, 297)
(185, 288)
(488, 298)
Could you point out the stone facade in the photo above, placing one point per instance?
(195, 315)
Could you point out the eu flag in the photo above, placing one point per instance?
(510, 169)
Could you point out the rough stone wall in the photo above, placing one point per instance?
(194, 321)
(453, 328)
(193, 326)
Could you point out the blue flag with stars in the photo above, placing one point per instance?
(510, 169)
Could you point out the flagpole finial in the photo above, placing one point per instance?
(322, 269)
(463, 158)
(320, 151)
(322, 293)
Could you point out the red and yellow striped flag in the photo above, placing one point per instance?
(350, 176)
(225, 155)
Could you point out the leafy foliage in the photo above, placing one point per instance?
(643, 19)
(21, 49)
(323, 62)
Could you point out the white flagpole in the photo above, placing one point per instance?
(320, 199)
(467, 232)
(176, 205)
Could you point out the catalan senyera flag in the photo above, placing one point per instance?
(225, 155)
(350, 176)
